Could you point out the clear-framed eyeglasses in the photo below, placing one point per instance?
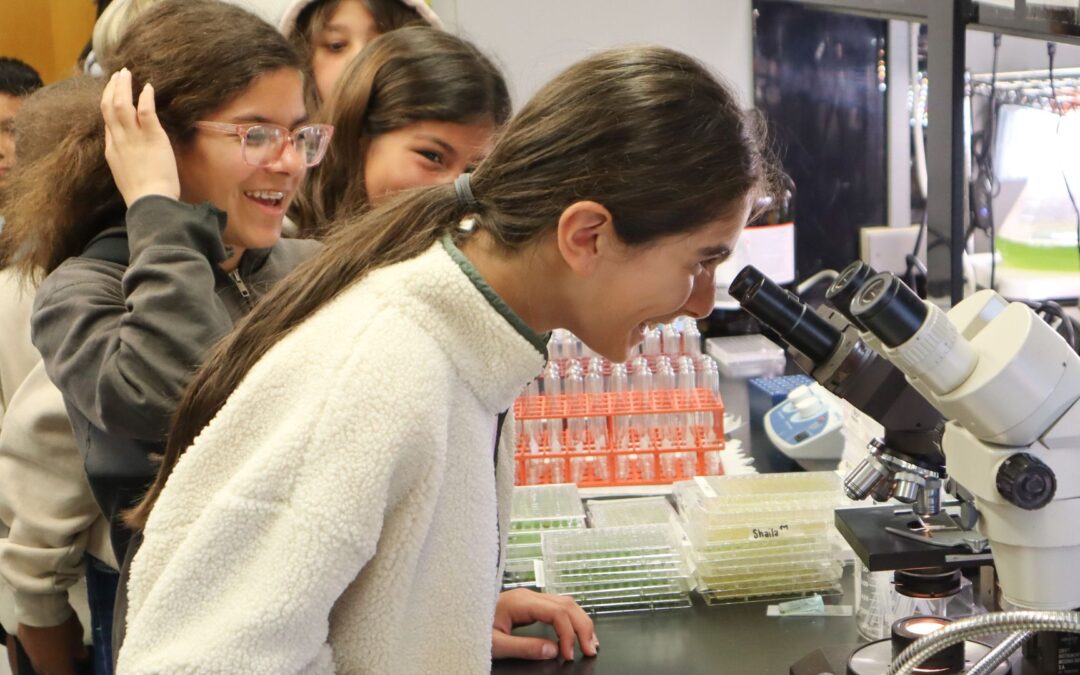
(262, 144)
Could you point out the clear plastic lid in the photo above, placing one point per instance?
(726, 492)
(764, 533)
(805, 549)
(746, 355)
(767, 572)
(625, 550)
(623, 600)
(773, 588)
(628, 512)
(546, 507)
(618, 569)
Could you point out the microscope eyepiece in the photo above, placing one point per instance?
(846, 286)
(785, 313)
(746, 283)
(889, 309)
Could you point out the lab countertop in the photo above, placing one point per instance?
(737, 639)
(729, 639)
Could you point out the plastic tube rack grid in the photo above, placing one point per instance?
(559, 439)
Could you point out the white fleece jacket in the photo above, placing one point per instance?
(341, 512)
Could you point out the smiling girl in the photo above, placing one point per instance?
(159, 225)
(418, 107)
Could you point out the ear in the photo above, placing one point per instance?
(582, 234)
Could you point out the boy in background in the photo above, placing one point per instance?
(17, 81)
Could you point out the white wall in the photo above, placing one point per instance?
(1016, 53)
(534, 40)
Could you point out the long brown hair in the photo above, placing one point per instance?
(647, 132)
(410, 75)
(199, 55)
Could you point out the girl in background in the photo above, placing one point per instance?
(418, 107)
(332, 32)
(332, 497)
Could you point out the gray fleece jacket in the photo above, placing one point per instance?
(121, 337)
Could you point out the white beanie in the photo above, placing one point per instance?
(283, 13)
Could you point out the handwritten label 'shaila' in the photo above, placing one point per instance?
(774, 532)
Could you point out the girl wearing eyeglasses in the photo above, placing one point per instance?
(417, 107)
(332, 494)
(157, 218)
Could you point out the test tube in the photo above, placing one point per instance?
(577, 469)
(640, 375)
(552, 385)
(594, 384)
(557, 345)
(689, 464)
(687, 374)
(594, 379)
(691, 337)
(618, 383)
(652, 344)
(667, 465)
(596, 365)
(709, 378)
(687, 383)
(641, 383)
(672, 341)
(553, 346)
(599, 467)
(575, 348)
(574, 388)
(533, 467)
(532, 428)
(554, 434)
(579, 465)
(664, 381)
(574, 383)
(646, 466)
(643, 464)
(554, 469)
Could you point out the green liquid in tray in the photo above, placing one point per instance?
(1043, 258)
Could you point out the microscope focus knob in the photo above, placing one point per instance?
(1026, 482)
